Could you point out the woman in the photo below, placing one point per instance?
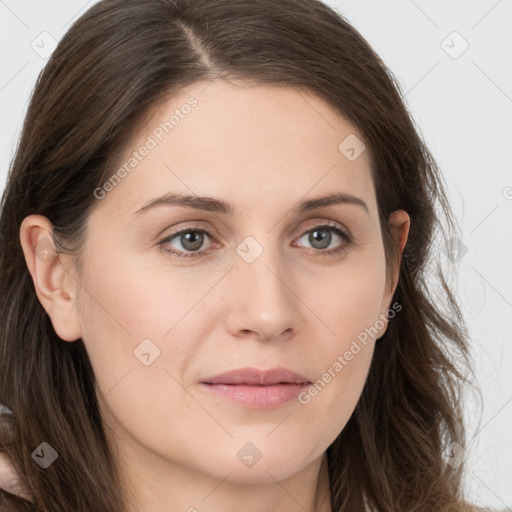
(215, 240)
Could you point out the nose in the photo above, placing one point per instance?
(263, 304)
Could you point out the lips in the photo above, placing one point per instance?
(255, 377)
(258, 389)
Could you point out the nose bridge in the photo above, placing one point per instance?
(261, 266)
(262, 290)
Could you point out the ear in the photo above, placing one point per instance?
(399, 224)
(56, 287)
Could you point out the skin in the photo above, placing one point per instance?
(262, 149)
(9, 479)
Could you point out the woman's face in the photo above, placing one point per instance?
(250, 288)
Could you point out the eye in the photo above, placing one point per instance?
(320, 237)
(191, 239)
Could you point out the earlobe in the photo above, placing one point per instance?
(54, 285)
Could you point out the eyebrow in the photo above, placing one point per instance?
(210, 204)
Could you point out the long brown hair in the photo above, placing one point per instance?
(121, 58)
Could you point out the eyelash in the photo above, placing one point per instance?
(196, 229)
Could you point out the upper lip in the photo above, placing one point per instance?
(255, 377)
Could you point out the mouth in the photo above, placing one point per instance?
(254, 388)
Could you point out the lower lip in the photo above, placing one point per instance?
(257, 397)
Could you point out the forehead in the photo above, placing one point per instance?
(255, 146)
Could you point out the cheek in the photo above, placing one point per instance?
(348, 301)
(349, 310)
(127, 300)
(125, 314)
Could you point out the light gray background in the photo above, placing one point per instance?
(462, 103)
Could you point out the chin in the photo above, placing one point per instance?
(251, 466)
